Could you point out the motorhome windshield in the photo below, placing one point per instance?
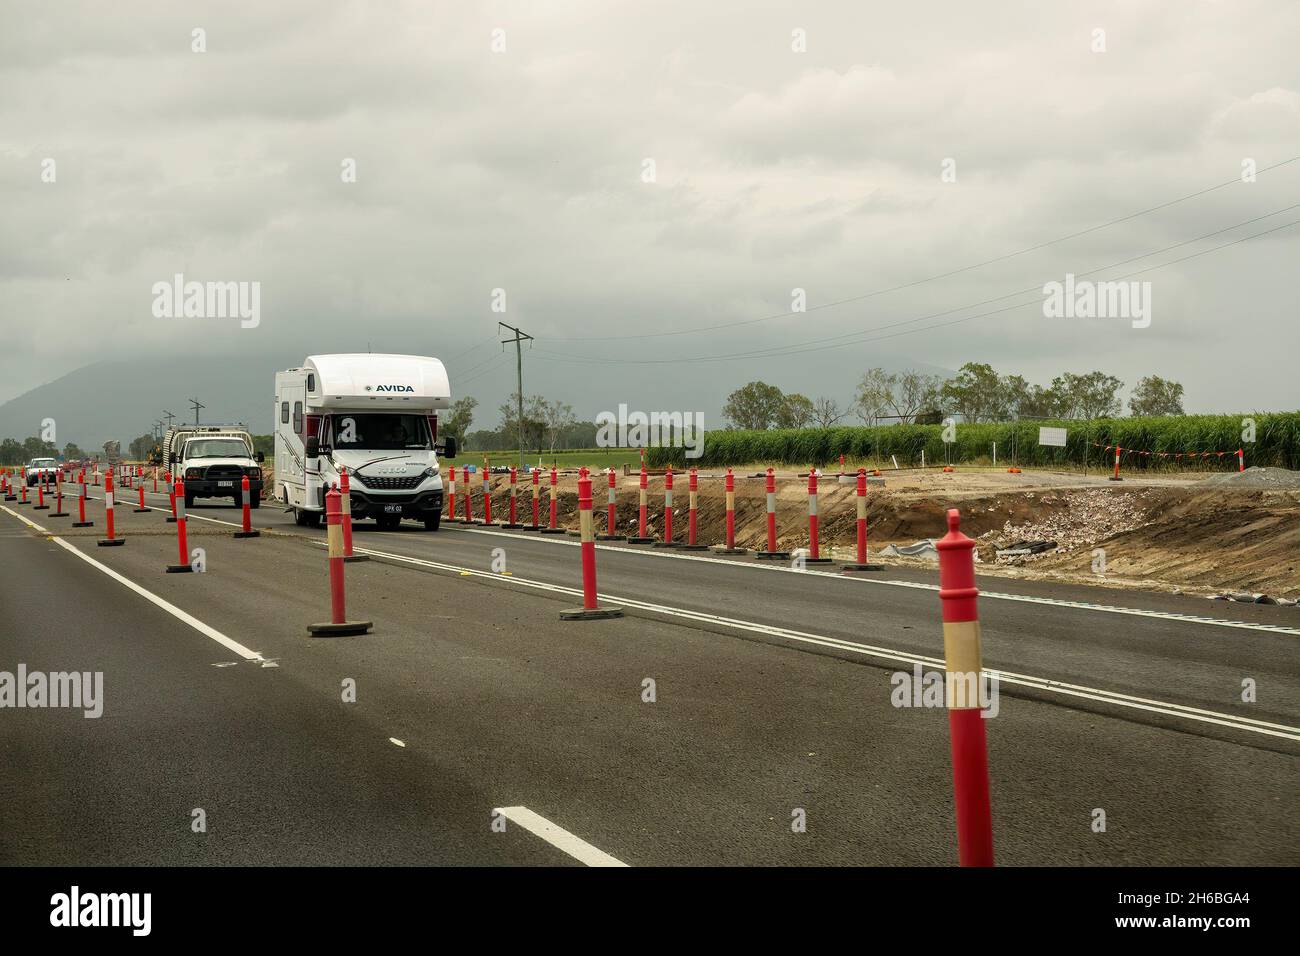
(383, 432)
(216, 448)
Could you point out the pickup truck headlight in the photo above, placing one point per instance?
(193, 472)
(253, 472)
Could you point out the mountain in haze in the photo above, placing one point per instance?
(122, 399)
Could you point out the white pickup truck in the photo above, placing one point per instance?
(213, 461)
(42, 470)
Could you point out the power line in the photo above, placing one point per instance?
(869, 337)
(916, 282)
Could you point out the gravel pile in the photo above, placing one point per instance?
(1091, 516)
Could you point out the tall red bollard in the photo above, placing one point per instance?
(9, 487)
(1116, 477)
(246, 526)
(81, 521)
(771, 554)
(537, 498)
(1241, 459)
(338, 625)
(729, 544)
(611, 508)
(642, 536)
(589, 610)
(692, 514)
(861, 563)
(171, 494)
(963, 666)
(345, 507)
(814, 539)
(552, 527)
(467, 494)
(40, 497)
(182, 542)
(514, 499)
(141, 508)
(112, 540)
(23, 482)
(487, 497)
(451, 496)
(668, 541)
(58, 511)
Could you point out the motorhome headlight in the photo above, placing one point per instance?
(430, 471)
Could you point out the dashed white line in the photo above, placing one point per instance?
(183, 616)
(558, 837)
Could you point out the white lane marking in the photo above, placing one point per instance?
(916, 585)
(889, 654)
(396, 742)
(558, 837)
(186, 618)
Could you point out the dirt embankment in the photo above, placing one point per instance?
(1191, 534)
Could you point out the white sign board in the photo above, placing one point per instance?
(1052, 436)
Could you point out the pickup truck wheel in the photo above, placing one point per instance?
(255, 499)
(431, 524)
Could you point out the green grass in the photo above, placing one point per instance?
(561, 458)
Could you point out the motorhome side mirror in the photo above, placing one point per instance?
(449, 447)
(260, 458)
(313, 447)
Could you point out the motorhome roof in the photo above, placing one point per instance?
(364, 379)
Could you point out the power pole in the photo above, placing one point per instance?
(519, 339)
(197, 405)
(169, 416)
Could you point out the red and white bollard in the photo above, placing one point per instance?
(171, 494)
(112, 540)
(8, 486)
(729, 544)
(589, 610)
(553, 527)
(155, 479)
(141, 508)
(642, 536)
(468, 495)
(611, 508)
(692, 514)
(1116, 477)
(514, 499)
(451, 495)
(95, 476)
(246, 528)
(668, 541)
(40, 496)
(339, 624)
(345, 509)
(23, 481)
(58, 497)
(963, 665)
(487, 496)
(771, 553)
(1241, 459)
(81, 521)
(814, 540)
(861, 563)
(182, 541)
(537, 498)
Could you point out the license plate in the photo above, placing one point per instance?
(225, 484)
(392, 509)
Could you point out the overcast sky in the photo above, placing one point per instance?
(524, 169)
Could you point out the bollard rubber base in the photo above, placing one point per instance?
(818, 560)
(552, 531)
(141, 510)
(512, 524)
(590, 614)
(247, 534)
(772, 555)
(171, 519)
(723, 549)
(339, 630)
(609, 537)
(110, 542)
(11, 497)
(854, 566)
(1114, 478)
(635, 540)
(57, 514)
(354, 558)
(40, 507)
(667, 544)
(180, 569)
(695, 547)
(573, 533)
(83, 524)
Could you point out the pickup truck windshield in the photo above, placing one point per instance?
(379, 432)
(42, 463)
(216, 448)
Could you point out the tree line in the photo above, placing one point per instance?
(977, 393)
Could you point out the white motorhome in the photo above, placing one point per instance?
(375, 415)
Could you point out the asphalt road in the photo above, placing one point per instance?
(497, 703)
